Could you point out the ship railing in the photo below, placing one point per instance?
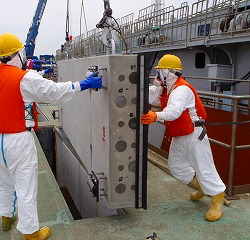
(206, 21)
(232, 18)
(233, 147)
(126, 20)
(147, 12)
(228, 86)
(78, 46)
(231, 103)
(167, 27)
(184, 26)
(95, 46)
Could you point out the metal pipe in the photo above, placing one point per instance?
(158, 4)
(113, 46)
(70, 147)
(223, 95)
(209, 78)
(159, 164)
(219, 143)
(242, 147)
(218, 79)
(232, 154)
(43, 113)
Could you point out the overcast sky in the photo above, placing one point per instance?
(16, 17)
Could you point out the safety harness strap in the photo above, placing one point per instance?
(201, 123)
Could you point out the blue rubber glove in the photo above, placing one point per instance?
(35, 64)
(49, 70)
(37, 61)
(92, 81)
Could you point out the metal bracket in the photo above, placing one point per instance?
(153, 237)
(55, 113)
(94, 184)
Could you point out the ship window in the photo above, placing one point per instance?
(200, 60)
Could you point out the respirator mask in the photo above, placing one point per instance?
(19, 59)
(165, 76)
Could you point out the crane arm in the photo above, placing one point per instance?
(33, 30)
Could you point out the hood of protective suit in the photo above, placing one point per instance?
(19, 60)
(165, 77)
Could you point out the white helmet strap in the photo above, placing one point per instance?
(24, 63)
(18, 59)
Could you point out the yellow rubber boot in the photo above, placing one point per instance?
(215, 211)
(7, 222)
(41, 234)
(199, 194)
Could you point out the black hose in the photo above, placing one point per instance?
(227, 86)
(155, 56)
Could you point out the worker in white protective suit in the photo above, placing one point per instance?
(190, 157)
(19, 90)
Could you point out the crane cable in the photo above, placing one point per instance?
(86, 28)
(67, 22)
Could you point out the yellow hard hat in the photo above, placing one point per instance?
(170, 61)
(9, 44)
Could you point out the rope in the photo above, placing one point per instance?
(29, 112)
(67, 22)
(86, 28)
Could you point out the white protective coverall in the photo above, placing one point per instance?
(18, 155)
(188, 156)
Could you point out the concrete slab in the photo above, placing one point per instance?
(170, 214)
(101, 126)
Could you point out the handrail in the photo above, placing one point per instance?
(220, 95)
(183, 26)
(219, 79)
(210, 78)
(233, 147)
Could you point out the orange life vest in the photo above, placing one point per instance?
(12, 107)
(182, 125)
